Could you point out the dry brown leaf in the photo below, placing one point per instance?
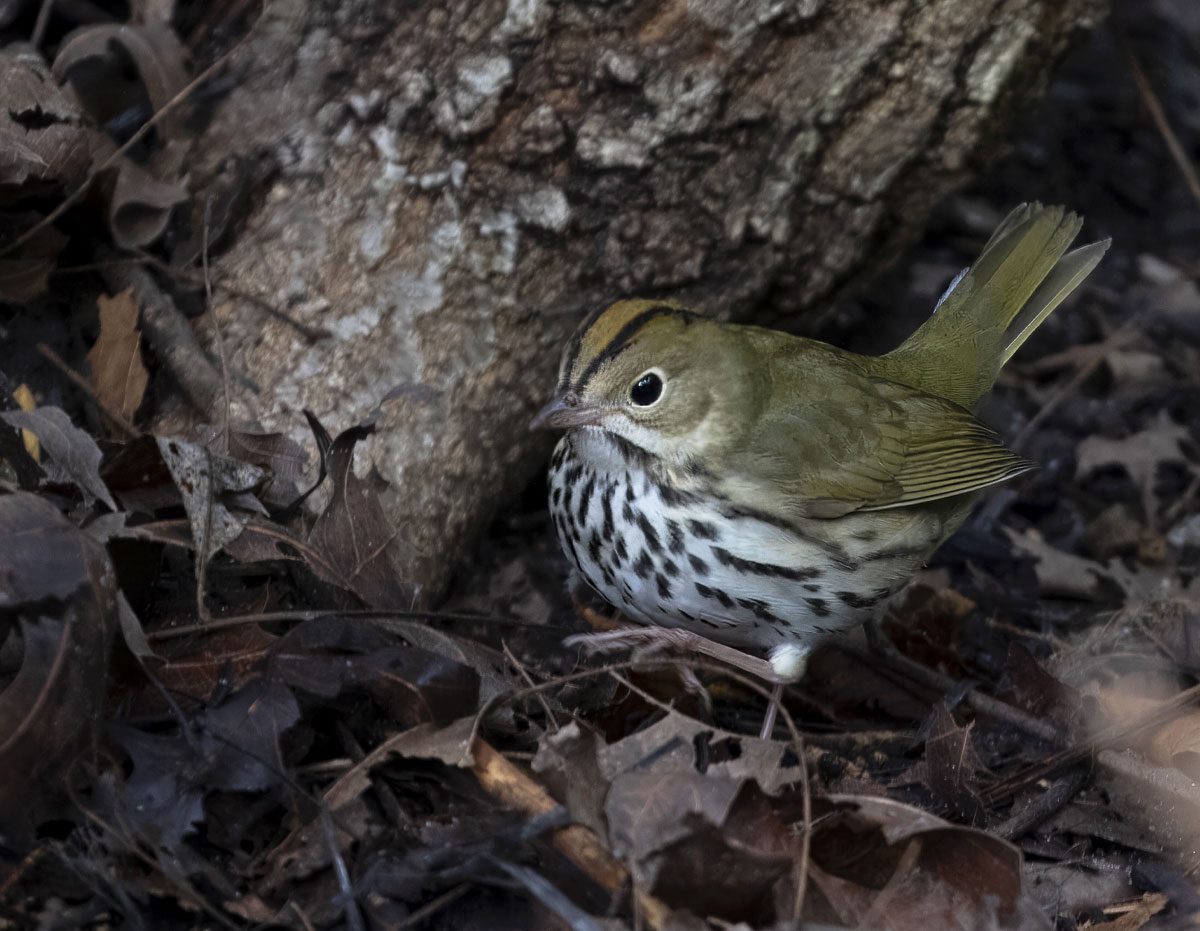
(882, 864)
(1139, 454)
(43, 143)
(118, 374)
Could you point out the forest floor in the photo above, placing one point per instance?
(282, 744)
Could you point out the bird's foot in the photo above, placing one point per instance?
(785, 665)
(648, 642)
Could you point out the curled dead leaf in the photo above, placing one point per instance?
(153, 49)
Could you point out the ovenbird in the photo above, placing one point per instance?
(760, 489)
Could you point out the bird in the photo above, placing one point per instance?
(743, 493)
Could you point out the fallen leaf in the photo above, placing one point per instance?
(283, 457)
(233, 746)
(26, 273)
(950, 765)
(139, 204)
(568, 762)
(43, 142)
(1175, 743)
(328, 655)
(1037, 691)
(1163, 799)
(72, 450)
(447, 745)
(202, 478)
(226, 658)
(957, 877)
(1139, 454)
(353, 534)
(60, 585)
(153, 48)
(704, 842)
(118, 374)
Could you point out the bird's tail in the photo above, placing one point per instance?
(1022, 275)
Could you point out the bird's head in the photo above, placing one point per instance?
(667, 380)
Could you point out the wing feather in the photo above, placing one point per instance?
(861, 443)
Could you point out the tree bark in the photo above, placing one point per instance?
(454, 184)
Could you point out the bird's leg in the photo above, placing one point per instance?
(768, 725)
(646, 641)
(786, 663)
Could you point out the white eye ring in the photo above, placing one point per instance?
(647, 389)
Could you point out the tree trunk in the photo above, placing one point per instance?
(454, 184)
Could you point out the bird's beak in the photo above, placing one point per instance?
(565, 410)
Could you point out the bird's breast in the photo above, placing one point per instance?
(678, 557)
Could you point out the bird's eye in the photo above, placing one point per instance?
(646, 390)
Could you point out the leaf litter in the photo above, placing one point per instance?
(225, 710)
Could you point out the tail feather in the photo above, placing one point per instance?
(1023, 273)
(1065, 277)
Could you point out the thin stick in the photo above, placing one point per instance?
(271, 617)
(431, 908)
(517, 790)
(1118, 338)
(1150, 99)
(43, 20)
(116, 418)
(1080, 753)
(524, 674)
(76, 195)
(1050, 803)
(216, 324)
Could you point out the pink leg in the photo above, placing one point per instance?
(768, 725)
(650, 640)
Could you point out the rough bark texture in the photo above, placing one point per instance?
(458, 182)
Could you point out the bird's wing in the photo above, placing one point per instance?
(865, 444)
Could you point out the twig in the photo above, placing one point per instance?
(216, 324)
(43, 20)
(1159, 116)
(524, 674)
(115, 417)
(76, 195)
(273, 617)
(884, 651)
(1114, 341)
(1064, 759)
(350, 910)
(170, 336)
(387, 798)
(431, 908)
(517, 790)
(1050, 803)
(904, 868)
